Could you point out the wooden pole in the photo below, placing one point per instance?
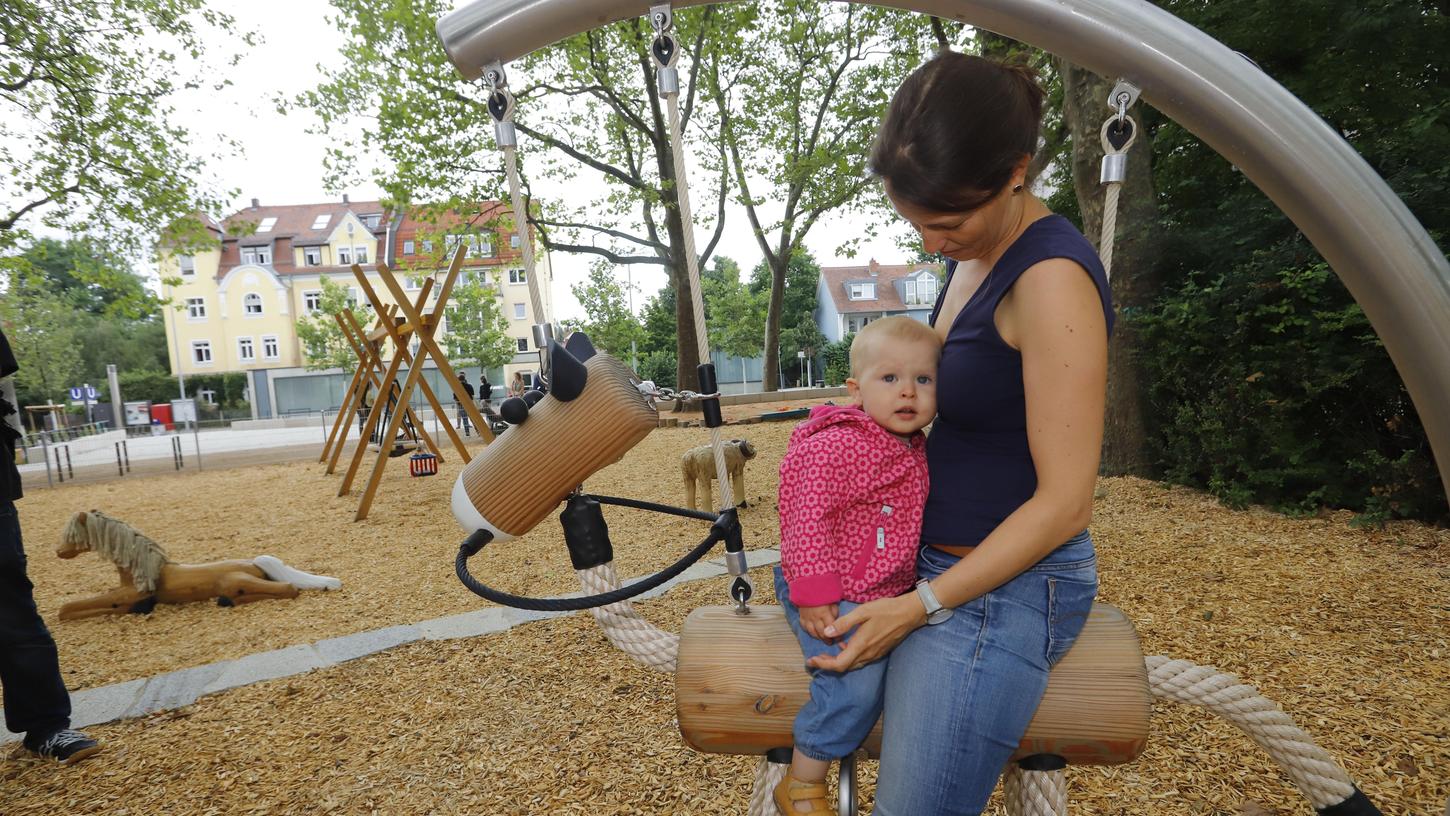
(344, 414)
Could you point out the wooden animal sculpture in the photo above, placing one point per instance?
(593, 413)
(697, 466)
(149, 576)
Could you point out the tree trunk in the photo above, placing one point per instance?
(1134, 278)
(770, 377)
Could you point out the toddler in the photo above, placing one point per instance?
(852, 488)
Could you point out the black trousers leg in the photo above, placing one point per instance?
(35, 695)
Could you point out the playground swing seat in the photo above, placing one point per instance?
(738, 671)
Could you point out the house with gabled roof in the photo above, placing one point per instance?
(240, 299)
(849, 297)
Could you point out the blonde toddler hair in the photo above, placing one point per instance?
(898, 328)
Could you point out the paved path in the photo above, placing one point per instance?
(137, 698)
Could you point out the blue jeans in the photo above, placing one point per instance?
(844, 706)
(35, 695)
(959, 695)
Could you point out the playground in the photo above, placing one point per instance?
(1343, 627)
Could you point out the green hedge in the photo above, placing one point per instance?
(1268, 385)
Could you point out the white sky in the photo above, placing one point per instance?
(282, 164)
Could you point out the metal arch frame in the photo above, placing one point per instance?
(1379, 250)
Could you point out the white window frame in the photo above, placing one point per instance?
(519, 313)
(514, 241)
(201, 349)
(321, 221)
(312, 256)
(246, 350)
(521, 343)
(518, 276)
(862, 291)
(248, 300)
(344, 256)
(371, 221)
(261, 256)
(408, 248)
(196, 309)
(427, 246)
(926, 287)
(483, 245)
(312, 295)
(412, 284)
(267, 224)
(207, 396)
(908, 291)
(187, 264)
(271, 347)
(359, 254)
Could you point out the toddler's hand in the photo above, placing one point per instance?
(815, 619)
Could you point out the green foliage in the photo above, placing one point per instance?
(734, 314)
(608, 321)
(323, 343)
(658, 366)
(477, 329)
(798, 329)
(838, 360)
(88, 141)
(660, 327)
(41, 326)
(1269, 386)
(92, 276)
(150, 385)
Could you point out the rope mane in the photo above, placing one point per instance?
(119, 543)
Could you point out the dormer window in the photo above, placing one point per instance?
(257, 255)
(371, 221)
(267, 224)
(312, 256)
(321, 221)
(862, 291)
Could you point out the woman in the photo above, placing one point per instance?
(516, 385)
(1007, 571)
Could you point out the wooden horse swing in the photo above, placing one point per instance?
(399, 322)
(739, 674)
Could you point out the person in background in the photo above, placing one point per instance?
(463, 423)
(36, 701)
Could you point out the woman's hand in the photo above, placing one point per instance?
(879, 625)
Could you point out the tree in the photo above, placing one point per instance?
(586, 106)
(1136, 280)
(41, 327)
(798, 329)
(733, 312)
(608, 321)
(799, 93)
(477, 328)
(88, 143)
(323, 343)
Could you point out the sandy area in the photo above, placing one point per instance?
(1345, 628)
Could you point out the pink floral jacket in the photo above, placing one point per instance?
(851, 501)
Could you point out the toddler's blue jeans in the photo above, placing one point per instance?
(843, 705)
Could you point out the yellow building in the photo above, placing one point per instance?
(238, 304)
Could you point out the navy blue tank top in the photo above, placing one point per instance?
(981, 468)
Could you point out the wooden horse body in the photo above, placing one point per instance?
(148, 576)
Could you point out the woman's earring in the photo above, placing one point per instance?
(1017, 189)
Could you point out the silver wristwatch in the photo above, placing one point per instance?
(935, 612)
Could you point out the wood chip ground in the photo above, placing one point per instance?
(1344, 627)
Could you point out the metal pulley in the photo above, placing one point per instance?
(1118, 134)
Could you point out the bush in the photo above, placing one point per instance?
(838, 360)
(1268, 385)
(658, 366)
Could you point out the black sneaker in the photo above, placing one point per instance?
(65, 746)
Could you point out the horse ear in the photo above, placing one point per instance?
(577, 343)
(567, 375)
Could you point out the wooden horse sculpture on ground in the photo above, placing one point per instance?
(149, 576)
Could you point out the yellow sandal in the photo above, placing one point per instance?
(812, 794)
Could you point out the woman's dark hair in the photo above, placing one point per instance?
(955, 130)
